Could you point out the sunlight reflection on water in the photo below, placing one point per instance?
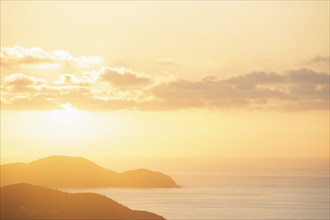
(230, 197)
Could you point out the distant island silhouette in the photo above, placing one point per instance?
(26, 201)
(65, 171)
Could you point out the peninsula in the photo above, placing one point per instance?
(65, 171)
(26, 201)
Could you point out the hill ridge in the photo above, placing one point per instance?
(68, 171)
(27, 201)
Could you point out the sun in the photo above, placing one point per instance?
(67, 115)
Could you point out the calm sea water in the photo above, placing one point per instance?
(238, 196)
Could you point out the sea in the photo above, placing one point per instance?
(294, 193)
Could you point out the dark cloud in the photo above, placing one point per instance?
(19, 83)
(320, 59)
(212, 94)
(123, 77)
(251, 80)
(253, 89)
(307, 76)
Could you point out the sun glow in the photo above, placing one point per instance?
(67, 115)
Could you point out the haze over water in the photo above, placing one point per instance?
(229, 98)
(294, 189)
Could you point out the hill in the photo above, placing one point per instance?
(64, 171)
(26, 201)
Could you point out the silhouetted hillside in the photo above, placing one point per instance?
(63, 171)
(26, 201)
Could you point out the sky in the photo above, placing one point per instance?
(176, 78)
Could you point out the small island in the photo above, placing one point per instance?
(26, 201)
(65, 171)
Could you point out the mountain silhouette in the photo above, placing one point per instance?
(64, 171)
(26, 201)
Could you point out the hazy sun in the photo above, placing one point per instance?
(67, 115)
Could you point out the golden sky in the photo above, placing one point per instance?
(225, 78)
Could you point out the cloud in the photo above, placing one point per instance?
(304, 88)
(72, 79)
(295, 90)
(28, 103)
(211, 94)
(111, 88)
(123, 77)
(17, 55)
(320, 59)
(22, 92)
(20, 83)
(307, 76)
(251, 80)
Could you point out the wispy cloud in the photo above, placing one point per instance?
(123, 77)
(17, 55)
(320, 59)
